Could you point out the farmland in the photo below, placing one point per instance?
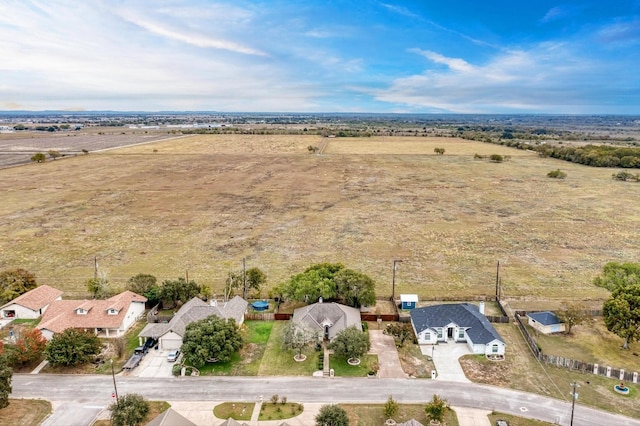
(202, 203)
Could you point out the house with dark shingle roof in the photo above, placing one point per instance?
(169, 335)
(31, 304)
(328, 319)
(546, 322)
(457, 323)
(111, 317)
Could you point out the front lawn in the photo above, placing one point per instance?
(279, 411)
(342, 368)
(236, 410)
(247, 361)
(277, 361)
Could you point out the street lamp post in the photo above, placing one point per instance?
(115, 388)
(393, 279)
(574, 396)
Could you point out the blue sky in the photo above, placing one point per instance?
(464, 56)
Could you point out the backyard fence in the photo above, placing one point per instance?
(572, 364)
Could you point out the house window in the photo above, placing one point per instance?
(439, 333)
(494, 349)
(461, 333)
(427, 335)
(81, 311)
(113, 312)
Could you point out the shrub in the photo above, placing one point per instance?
(557, 174)
(496, 158)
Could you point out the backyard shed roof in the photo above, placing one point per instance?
(545, 318)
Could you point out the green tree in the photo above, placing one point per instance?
(146, 285)
(615, 275)
(355, 288)
(350, 343)
(129, 410)
(439, 151)
(332, 415)
(72, 347)
(5, 381)
(437, 408)
(172, 291)
(329, 281)
(496, 158)
(310, 285)
(297, 336)
(622, 313)
(572, 315)
(39, 157)
(14, 282)
(210, 338)
(391, 408)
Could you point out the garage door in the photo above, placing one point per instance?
(170, 343)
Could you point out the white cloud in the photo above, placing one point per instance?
(538, 79)
(455, 64)
(190, 37)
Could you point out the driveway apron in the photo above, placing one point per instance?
(445, 358)
(385, 347)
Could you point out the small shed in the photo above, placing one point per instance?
(408, 301)
(546, 322)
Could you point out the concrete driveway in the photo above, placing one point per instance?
(385, 347)
(445, 358)
(154, 364)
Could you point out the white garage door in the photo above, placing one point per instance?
(170, 343)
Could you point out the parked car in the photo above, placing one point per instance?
(173, 356)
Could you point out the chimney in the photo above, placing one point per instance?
(481, 308)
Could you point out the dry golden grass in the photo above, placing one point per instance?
(25, 412)
(200, 204)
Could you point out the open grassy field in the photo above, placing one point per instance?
(200, 204)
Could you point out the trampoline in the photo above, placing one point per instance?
(260, 305)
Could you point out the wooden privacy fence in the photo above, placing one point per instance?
(572, 364)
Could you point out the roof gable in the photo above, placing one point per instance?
(37, 298)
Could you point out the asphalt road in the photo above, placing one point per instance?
(80, 396)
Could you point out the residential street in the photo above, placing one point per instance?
(84, 396)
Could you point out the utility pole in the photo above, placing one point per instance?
(244, 278)
(498, 282)
(95, 267)
(574, 396)
(393, 279)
